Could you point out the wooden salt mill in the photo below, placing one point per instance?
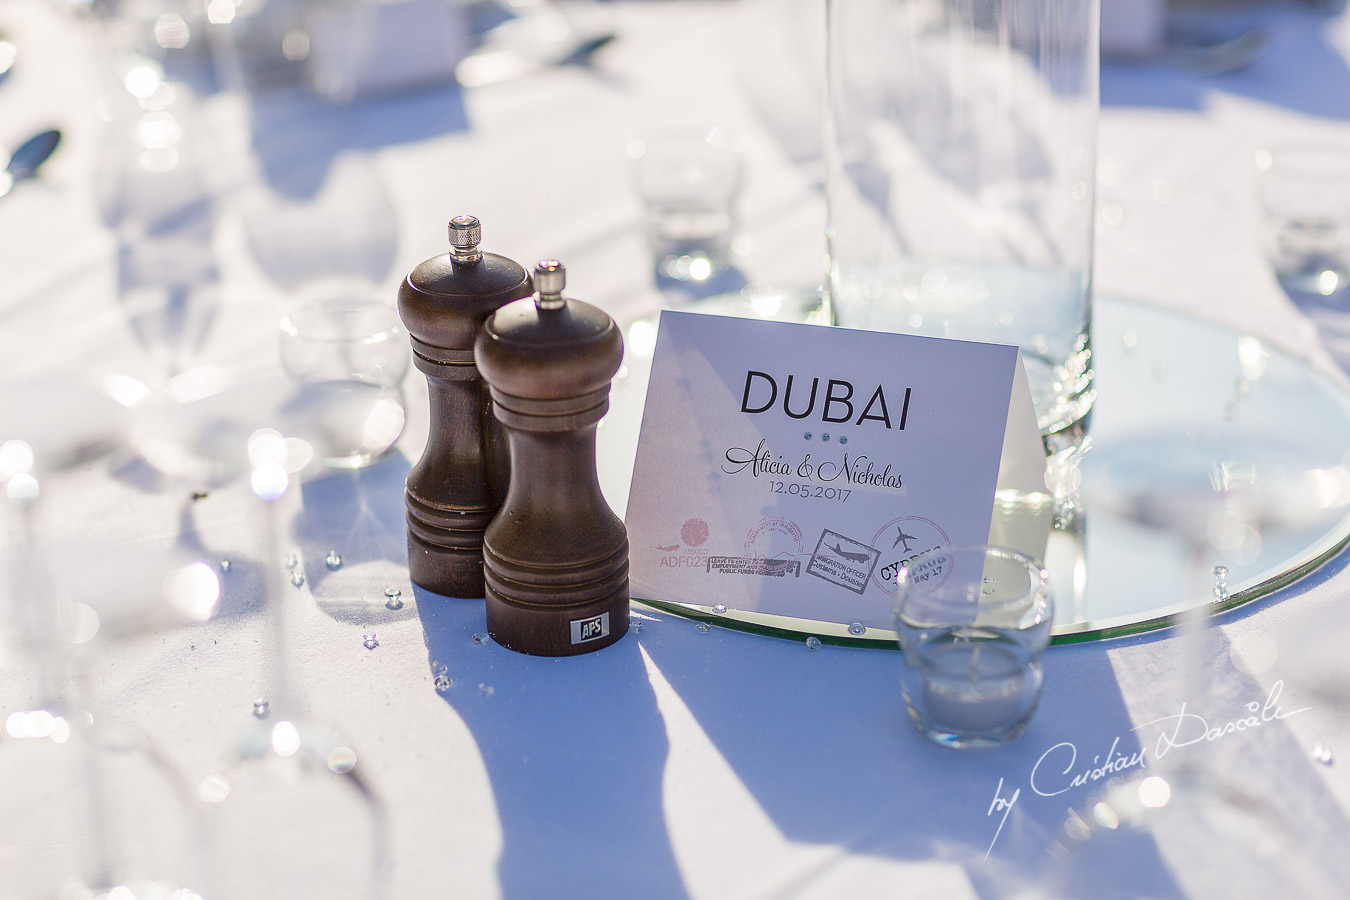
(556, 557)
(459, 483)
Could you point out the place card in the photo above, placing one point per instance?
(790, 469)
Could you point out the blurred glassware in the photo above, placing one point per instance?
(972, 622)
(1303, 191)
(196, 429)
(349, 355)
(93, 801)
(165, 36)
(960, 180)
(690, 183)
(289, 778)
(157, 187)
(1218, 492)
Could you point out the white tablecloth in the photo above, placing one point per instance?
(678, 763)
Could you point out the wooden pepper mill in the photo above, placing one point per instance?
(459, 483)
(556, 557)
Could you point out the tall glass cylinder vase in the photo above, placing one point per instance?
(961, 153)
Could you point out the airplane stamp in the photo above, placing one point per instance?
(843, 561)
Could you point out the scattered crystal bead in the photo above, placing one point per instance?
(485, 689)
(261, 708)
(480, 637)
(225, 565)
(393, 592)
(703, 626)
(292, 561)
(442, 683)
(635, 625)
(297, 578)
(1322, 753)
(333, 560)
(1220, 582)
(393, 603)
(813, 643)
(857, 628)
(371, 641)
(719, 609)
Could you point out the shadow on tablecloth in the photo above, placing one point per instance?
(821, 741)
(686, 763)
(359, 515)
(575, 749)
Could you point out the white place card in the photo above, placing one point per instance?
(790, 469)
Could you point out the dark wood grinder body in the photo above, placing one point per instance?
(555, 558)
(459, 483)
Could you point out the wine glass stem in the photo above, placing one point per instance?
(38, 623)
(277, 674)
(35, 606)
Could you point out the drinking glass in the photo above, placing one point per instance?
(972, 622)
(960, 176)
(92, 800)
(349, 355)
(1303, 189)
(289, 779)
(155, 180)
(689, 182)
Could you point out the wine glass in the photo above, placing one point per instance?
(289, 778)
(1198, 817)
(348, 356)
(284, 768)
(92, 804)
(157, 183)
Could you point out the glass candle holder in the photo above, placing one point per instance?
(972, 622)
(348, 356)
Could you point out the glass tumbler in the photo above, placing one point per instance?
(972, 622)
(348, 356)
(689, 182)
(960, 179)
(1303, 189)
